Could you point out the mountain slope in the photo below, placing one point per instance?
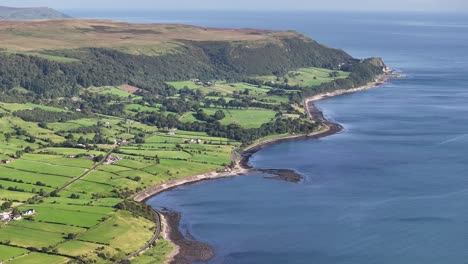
(12, 13)
(57, 57)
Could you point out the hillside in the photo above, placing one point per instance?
(13, 13)
(95, 112)
(97, 53)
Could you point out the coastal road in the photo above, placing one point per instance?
(150, 243)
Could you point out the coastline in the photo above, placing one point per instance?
(170, 220)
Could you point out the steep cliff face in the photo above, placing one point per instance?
(11, 13)
(377, 62)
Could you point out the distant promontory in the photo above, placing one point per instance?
(28, 13)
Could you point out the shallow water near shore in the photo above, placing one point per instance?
(391, 188)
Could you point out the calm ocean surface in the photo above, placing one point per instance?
(392, 188)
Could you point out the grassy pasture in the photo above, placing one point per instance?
(39, 258)
(160, 154)
(70, 151)
(156, 254)
(141, 108)
(7, 252)
(44, 168)
(75, 208)
(222, 87)
(66, 217)
(247, 118)
(305, 77)
(26, 187)
(78, 248)
(90, 187)
(121, 231)
(15, 196)
(26, 237)
(44, 56)
(31, 177)
(179, 168)
(48, 227)
(114, 91)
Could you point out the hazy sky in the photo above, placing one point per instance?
(362, 5)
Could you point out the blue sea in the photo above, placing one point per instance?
(391, 188)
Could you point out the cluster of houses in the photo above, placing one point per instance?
(8, 216)
(201, 83)
(194, 141)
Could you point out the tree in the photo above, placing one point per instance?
(81, 140)
(74, 196)
(28, 149)
(98, 158)
(6, 205)
(18, 154)
(221, 102)
(219, 115)
(70, 236)
(16, 211)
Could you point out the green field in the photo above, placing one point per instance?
(305, 77)
(44, 56)
(222, 87)
(75, 194)
(155, 255)
(7, 252)
(248, 118)
(39, 258)
(114, 91)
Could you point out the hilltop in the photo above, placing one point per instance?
(14, 13)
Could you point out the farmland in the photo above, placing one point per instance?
(81, 220)
(75, 170)
(76, 161)
(305, 77)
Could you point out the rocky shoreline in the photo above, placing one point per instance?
(187, 249)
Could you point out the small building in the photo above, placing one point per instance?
(4, 217)
(81, 145)
(121, 142)
(6, 161)
(78, 110)
(28, 212)
(195, 141)
(171, 133)
(71, 156)
(17, 217)
(112, 159)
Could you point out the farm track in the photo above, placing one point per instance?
(86, 172)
